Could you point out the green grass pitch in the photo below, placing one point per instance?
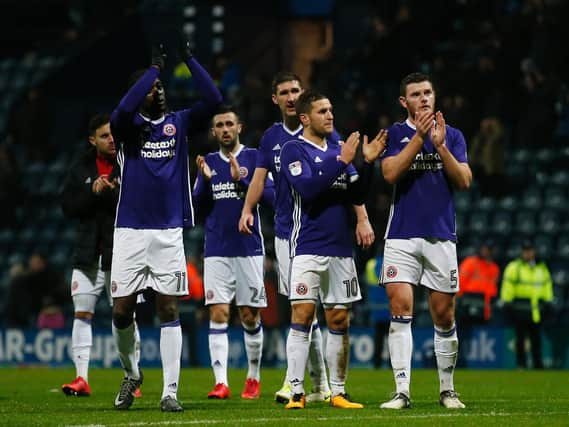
(32, 396)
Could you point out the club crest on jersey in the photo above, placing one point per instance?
(295, 168)
(169, 129)
(243, 172)
(74, 285)
(391, 271)
(114, 287)
(301, 289)
(209, 295)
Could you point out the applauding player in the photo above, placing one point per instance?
(154, 206)
(425, 160)
(321, 245)
(233, 264)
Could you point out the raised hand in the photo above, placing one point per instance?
(375, 147)
(349, 147)
(423, 122)
(234, 168)
(439, 130)
(159, 56)
(203, 168)
(184, 49)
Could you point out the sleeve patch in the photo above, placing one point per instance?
(295, 168)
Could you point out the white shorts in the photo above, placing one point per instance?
(283, 264)
(428, 262)
(241, 278)
(91, 281)
(152, 259)
(333, 279)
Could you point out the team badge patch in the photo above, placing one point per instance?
(295, 168)
(391, 271)
(301, 289)
(169, 129)
(113, 287)
(243, 171)
(209, 295)
(74, 285)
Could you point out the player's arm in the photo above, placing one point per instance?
(365, 235)
(394, 167)
(254, 194)
(211, 96)
(122, 116)
(202, 189)
(304, 180)
(459, 173)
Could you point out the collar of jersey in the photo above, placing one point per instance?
(325, 148)
(154, 122)
(411, 125)
(291, 132)
(226, 159)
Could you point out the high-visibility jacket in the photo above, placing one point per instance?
(479, 276)
(522, 280)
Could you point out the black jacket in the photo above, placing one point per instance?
(95, 213)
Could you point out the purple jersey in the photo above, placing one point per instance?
(225, 197)
(269, 155)
(422, 203)
(322, 199)
(155, 188)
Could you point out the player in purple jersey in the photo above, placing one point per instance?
(154, 205)
(286, 88)
(426, 161)
(321, 246)
(233, 262)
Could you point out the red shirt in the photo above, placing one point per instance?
(104, 166)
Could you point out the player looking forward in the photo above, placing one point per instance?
(321, 246)
(233, 262)
(286, 88)
(426, 161)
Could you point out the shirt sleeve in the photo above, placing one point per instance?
(202, 110)
(298, 171)
(122, 117)
(201, 194)
(457, 145)
(393, 146)
(264, 153)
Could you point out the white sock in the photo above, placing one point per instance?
(254, 347)
(337, 357)
(136, 343)
(446, 351)
(400, 351)
(218, 351)
(81, 342)
(297, 345)
(316, 365)
(126, 347)
(171, 355)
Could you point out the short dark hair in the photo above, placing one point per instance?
(96, 122)
(304, 103)
(223, 109)
(413, 78)
(284, 76)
